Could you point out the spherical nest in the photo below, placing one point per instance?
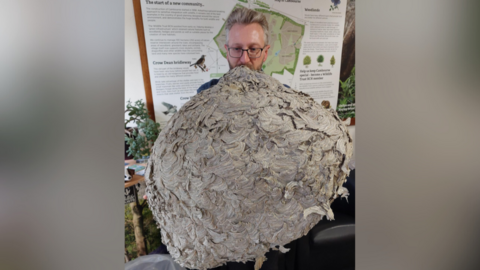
(243, 167)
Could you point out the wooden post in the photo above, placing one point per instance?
(137, 10)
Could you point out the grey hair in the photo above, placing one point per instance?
(247, 16)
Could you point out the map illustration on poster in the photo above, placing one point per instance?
(185, 47)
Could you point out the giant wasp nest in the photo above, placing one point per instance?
(243, 167)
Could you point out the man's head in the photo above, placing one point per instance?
(246, 30)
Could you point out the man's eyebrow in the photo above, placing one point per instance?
(237, 45)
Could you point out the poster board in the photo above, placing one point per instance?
(306, 39)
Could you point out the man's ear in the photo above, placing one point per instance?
(226, 49)
(266, 52)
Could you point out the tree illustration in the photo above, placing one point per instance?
(335, 4)
(307, 60)
(332, 61)
(320, 60)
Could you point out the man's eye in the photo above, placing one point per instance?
(237, 49)
(253, 50)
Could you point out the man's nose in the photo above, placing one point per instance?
(244, 58)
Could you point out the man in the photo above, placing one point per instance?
(247, 41)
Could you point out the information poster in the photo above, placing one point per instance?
(185, 46)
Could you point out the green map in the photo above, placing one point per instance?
(285, 42)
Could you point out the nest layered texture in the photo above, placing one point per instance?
(243, 167)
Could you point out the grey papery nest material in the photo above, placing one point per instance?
(243, 167)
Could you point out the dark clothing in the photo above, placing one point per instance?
(207, 85)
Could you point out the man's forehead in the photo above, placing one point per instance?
(246, 37)
(241, 44)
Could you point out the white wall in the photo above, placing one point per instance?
(134, 87)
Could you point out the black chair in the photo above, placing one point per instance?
(330, 245)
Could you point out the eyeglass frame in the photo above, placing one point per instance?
(261, 51)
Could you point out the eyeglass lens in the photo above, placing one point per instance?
(252, 52)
